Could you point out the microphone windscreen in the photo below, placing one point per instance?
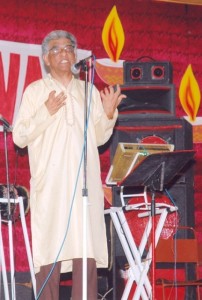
(75, 70)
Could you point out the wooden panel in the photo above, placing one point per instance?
(177, 250)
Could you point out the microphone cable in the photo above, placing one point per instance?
(74, 191)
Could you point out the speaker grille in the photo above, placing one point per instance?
(147, 72)
(150, 99)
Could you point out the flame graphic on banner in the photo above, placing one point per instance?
(113, 37)
(189, 94)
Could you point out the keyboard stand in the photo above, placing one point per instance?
(138, 269)
(153, 173)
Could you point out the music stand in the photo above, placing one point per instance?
(167, 164)
(154, 172)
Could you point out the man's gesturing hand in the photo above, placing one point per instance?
(54, 103)
(110, 99)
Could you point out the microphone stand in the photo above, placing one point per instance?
(7, 128)
(85, 189)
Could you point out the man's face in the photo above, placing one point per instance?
(61, 56)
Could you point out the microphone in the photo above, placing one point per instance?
(75, 68)
(5, 123)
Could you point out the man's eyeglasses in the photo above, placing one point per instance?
(57, 50)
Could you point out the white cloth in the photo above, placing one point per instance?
(55, 146)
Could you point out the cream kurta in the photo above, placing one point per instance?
(55, 144)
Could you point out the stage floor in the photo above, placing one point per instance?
(24, 288)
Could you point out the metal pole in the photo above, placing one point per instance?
(85, 190)
(10, 234)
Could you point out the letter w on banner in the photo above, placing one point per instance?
(20, 64)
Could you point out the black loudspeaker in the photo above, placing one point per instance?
(176, 131)
(130, 129)
(154, 72)
(151, 100)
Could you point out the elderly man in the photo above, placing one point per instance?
(51, 123)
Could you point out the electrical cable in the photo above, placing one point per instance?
(74, 191)
(175, 244)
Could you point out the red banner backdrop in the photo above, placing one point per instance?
(162, 31)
